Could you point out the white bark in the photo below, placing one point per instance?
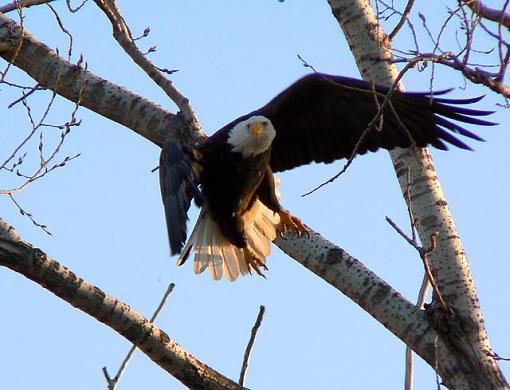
(464, 332)
(75, 83)
(20, 256)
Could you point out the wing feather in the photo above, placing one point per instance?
(321, 118)
(179, 185)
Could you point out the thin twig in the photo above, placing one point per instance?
(112, 383)
(495, 356)
(402, 20)
(424, 253)
(27, 94)
(64, 30)
(122, 34)
(424, 289)
(76, 9)
(30, 216)
(306, 64)
(249, 347)
(476, 76)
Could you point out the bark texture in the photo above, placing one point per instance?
(461, 326)
(33, 263)
(80, 86)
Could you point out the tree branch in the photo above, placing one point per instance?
(112, 383)
(402, 20)
(34, 264)
(475, 75)
(448, 262)
(22, 4)
(485, 12)
(97, 94)
(251, 342)
(123, 36)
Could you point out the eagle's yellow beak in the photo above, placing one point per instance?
(256, 128)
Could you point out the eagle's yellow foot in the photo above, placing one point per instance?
(254, 262)
(287, 220)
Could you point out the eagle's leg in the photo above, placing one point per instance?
(254, 262)
(287, 220)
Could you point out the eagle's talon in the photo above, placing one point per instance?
(287, 220)
(254, 262)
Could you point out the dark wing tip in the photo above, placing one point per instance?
(322, 118)
(179, 185)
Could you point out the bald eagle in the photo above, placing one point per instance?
(319, 118)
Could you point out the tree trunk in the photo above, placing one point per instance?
(460, 325)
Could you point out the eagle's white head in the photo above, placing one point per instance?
(252, 136)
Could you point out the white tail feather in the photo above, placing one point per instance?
(243, 266)
(212, 250)
(230, 265)
(216, 259)
(200, 248)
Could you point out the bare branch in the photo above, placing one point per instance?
(22, 4)
(77, 8)
(477, 75)
(65, 31)
(251, 342)
(123, 36)
(112, 383)
(99, 95)
(21, 257)
(29, 216)
(422, 295)
(402, 20)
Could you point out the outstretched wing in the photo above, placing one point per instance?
(321, 118)
(179, 185)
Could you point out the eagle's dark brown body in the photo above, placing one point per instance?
(231, 183)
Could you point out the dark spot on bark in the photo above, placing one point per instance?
(133, 333)
(334, 255)
(134, 102)
(382, 292)
(400, 166)
(401, 172)
(416, 195)
(153, 123)
(98, 92)
(164, 338)
(442, 202)
(420, 179)
(98, 293)
(430, 220)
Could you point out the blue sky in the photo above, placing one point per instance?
(107, 220)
